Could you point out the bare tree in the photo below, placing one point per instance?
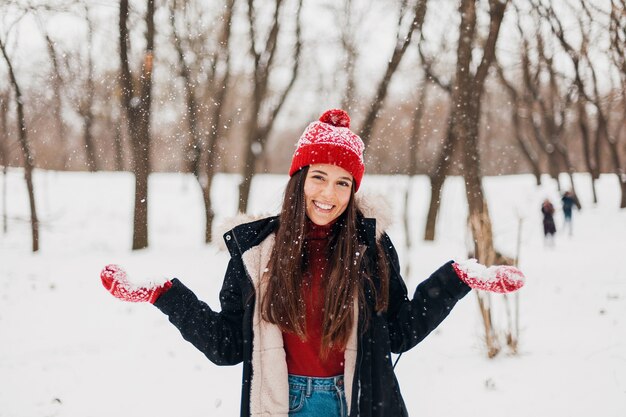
(57, 83)
(347, 21)
(521, 106)
(193, 147)
(578, 85)
(547, 96)
(518, 112)
(403, 40)
(463, 124)
(540, 115)
(414, 147)
(113, 116)
(603, 111)
(617, 30)
(219, 91)
(466, 91)
(137, 103)
(444, 159)
(264, 106)
(202, 149)
(468, 104)
(29, 162)
(4, 153)
(85, 106)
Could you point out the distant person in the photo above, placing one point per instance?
(569, 200)
(549, 228)
(313, 302)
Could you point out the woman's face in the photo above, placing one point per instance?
(327, 190)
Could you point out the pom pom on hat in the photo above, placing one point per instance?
(330, 141)
(336, 117)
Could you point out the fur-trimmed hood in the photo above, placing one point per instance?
(372, 206)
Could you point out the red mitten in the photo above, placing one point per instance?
(116, 282)
(496, 278)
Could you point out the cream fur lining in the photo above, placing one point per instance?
(269, 387)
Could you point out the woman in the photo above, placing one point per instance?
(313, 302)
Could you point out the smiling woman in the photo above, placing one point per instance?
(327, 191)
(313, 303)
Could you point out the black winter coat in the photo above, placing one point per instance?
(226, 337)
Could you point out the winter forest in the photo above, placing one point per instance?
(130, 130)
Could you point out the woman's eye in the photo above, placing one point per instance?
(344, 183)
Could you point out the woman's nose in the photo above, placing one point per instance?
(328, 190)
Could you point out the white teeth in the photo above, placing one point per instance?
(323, 206)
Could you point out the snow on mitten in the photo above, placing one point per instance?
(116, 282)
(496, 278)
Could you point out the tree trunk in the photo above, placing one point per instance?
(137, 106)
(467, 130)
(194, 146)
(479, 220)
(4, 157)
(602, 126)
(209, 214)
(87, 102)
(467, 102)
(491, 338)
(414, 146)
(437, 179)
(516, 117)
(249, 168)
(92, 162)
(211, 157)
(26, 152)
(5, 223)
(615, 159)
(407, 219)
(527, 151)
(592, 167)
(436, 184)
(258, 129)
(460, 101)
(203, 149)
(348, 43)
(118, 138)
(57, 100)
(223, 86)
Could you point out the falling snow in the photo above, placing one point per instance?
(70, 349)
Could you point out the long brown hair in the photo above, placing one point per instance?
(283, 303)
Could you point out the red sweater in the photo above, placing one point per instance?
(303, 357)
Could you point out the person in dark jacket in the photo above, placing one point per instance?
(312, 302)
(569, 201)
(549, 227)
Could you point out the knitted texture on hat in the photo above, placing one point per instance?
(330, 141)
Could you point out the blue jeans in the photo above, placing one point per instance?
(317, 397)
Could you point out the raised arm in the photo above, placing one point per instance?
(411, 320)
(218, 335)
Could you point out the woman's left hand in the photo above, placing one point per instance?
(496, 278)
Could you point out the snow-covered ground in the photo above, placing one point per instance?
(67, 348)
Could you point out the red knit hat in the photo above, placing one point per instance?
(330, 141)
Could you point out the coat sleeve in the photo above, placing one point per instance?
(219, 335)
(410, 321)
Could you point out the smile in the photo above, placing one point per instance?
(323, 206)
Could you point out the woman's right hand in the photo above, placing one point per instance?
(116, 282)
